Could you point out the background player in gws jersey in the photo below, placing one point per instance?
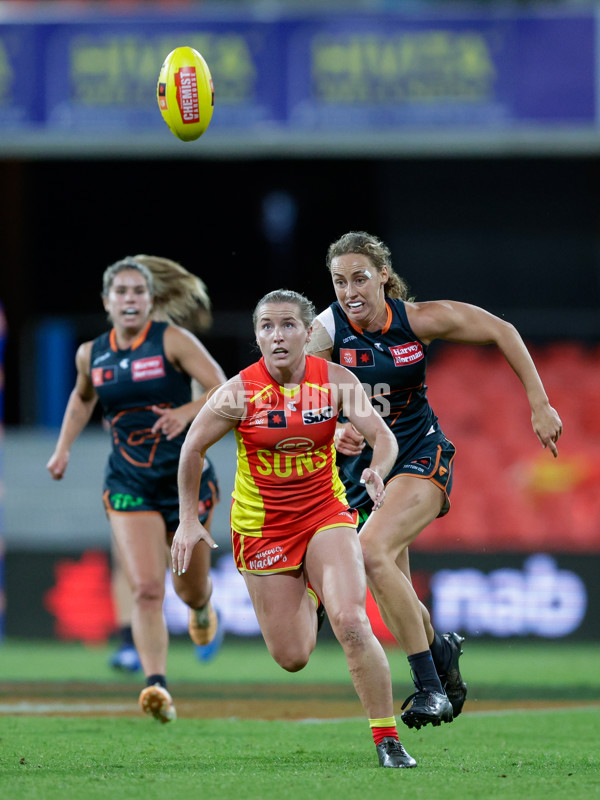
(382, 337)
(293, 534)
(141, 372)
(182, 299)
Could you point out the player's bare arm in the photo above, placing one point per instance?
(320, 344)
(464, 323)
(217, 417)
(78, 412)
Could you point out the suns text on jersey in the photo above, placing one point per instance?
(287, 465)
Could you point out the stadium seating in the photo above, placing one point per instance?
(509, 494)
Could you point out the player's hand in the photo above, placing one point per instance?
(171, 421)
(547, 426)
(374, 485)
(187, 536)
(348, 440)
(57, 465)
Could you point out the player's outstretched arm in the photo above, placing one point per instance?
(461, 322)
(217, 417)
(77, 414)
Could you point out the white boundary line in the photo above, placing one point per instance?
(33, 709)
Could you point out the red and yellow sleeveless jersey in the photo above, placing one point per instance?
(286, 475)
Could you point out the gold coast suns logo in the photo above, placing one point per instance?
(292, 458)
(295, 444)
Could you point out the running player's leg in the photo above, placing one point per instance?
(125, 657)
(141, 541)
(410, 505)
(286, 615)
(334, 567)
(194, 587)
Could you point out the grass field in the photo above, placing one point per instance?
(530, 728)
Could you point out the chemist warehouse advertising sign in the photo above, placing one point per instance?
(345, 73)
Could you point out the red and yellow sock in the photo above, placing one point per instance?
(380, 728)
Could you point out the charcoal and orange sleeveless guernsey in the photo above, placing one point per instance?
(391, 365)
(141, 473)
(286, 472)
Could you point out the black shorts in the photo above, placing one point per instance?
(119, 498)
(433, 461)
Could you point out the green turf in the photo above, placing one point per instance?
(550, 670)
(508, 754)
(515, 755)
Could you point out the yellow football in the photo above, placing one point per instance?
(185, 93)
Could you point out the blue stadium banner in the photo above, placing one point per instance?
(104, 76)
(321, 72)
(22, 65)
(380, 72)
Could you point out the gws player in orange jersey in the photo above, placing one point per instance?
(293, 534)
(141, 371)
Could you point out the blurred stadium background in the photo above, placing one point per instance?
(466, 135)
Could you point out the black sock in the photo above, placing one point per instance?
(440, 651)
(152, 680)
(424, 672)
(126, 636)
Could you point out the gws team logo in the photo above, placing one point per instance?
(317, 415)
(406, 354)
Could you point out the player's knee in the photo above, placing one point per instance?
(350, 626)
(376, 560)
(191, 596)
(291, 659)
(148, 592)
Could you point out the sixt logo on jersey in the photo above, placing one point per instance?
(276, 419)
(357, 358)
(317, 415)
(102, 375)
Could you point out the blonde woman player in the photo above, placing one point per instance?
(141, 371)
(181, 298)
(291, 525)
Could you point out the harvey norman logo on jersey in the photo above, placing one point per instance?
(144, 369)
(407, 353)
